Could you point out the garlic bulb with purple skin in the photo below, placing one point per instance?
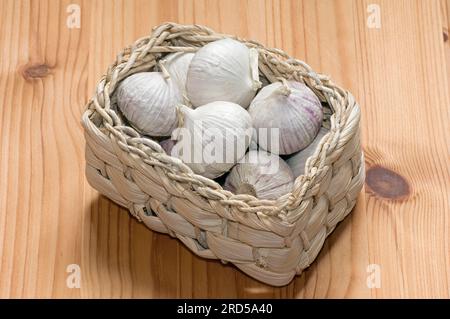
(168, 145)
(289, 109)
(297, 161)
(148, 100)
(261, 174)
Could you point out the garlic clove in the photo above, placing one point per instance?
(148, 101)
(289, 109)
(260, 174)
(213, 137)
(223, 70)
(297, 162)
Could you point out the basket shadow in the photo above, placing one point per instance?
(316, 280)
(127, 260)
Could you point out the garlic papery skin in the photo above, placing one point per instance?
(286, 116)
(223, 70)
(148, 100)
(213, 137)
(177, 65)
(261, 174)
(297, 162)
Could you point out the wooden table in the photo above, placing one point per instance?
(54, 226)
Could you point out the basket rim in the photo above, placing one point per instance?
(100, 118)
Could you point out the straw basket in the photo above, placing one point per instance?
(270, 240)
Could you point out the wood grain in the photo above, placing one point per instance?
(51, 218)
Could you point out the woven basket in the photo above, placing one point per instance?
(270, 240)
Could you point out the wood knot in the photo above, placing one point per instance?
(445, 35)
(35, 71)
(387, 183)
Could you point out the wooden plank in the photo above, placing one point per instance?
(445, 22)
(43, 85)
(405, 106)
(51, 218)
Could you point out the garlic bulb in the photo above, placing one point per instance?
(177, 65)
(290, 109)
(213, 138)
(261, 174)
(167, 145)
(223, 70)
(148, 101)
(297, 162)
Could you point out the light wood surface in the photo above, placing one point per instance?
(51, 218)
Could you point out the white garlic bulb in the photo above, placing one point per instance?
(261, 174)
(177, 65)
(290, 109)
(297, 161)
(223, 70)
(148, 101)
(213, 137)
